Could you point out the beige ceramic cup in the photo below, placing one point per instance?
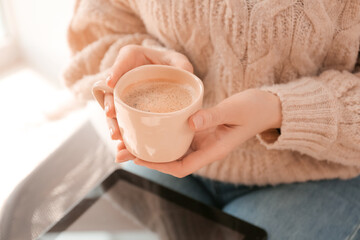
(154, 137)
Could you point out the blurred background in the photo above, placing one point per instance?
(33, 53)
(49, 160)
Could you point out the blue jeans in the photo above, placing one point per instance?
(322, 210)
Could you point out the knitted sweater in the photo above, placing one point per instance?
(304, 51)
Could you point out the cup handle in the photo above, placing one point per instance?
(99, 89)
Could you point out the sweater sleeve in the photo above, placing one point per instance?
(97, 31)
(320, 117)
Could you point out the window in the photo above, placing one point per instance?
(9, 53)
(2, 23)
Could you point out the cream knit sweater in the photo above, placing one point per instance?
(305, 51)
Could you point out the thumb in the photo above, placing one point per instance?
(206, 118)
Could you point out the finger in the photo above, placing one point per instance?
(129, 57)
(109, 105)
(121, 146)
(177, 60)
(234, 110)
(207, 118)
(170, 58)
(132, 56)
(189, 164)
(228, 111)
(168, 168)
(113, 129)
(123, 156)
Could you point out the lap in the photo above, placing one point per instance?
(188, 186)
(313, 210)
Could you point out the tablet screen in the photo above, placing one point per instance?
(126, 206)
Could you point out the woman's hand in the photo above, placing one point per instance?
(219, 130)
(132, 56)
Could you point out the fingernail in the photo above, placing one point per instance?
(198, 122)
(111, 132)
(108, 78)
(107, 108)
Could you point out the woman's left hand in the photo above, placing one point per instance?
(219, 130)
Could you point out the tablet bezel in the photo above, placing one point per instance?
(250, 232)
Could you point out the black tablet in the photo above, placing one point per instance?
(127, 206)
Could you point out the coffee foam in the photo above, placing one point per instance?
(158, 95)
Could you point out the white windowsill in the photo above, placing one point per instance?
(28, 134)
(9, 53)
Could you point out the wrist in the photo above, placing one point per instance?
(274, 110)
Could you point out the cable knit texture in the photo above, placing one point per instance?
(304, 51)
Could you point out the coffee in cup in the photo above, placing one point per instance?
(158, 95)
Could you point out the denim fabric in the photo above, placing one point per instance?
(187, 186)
(223, 193)
(322, 210)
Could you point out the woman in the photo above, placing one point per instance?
(281, 104)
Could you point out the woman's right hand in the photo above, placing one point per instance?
(129, 57)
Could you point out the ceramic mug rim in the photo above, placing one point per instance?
(200, 92)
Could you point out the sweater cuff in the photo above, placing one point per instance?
(309, 117)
